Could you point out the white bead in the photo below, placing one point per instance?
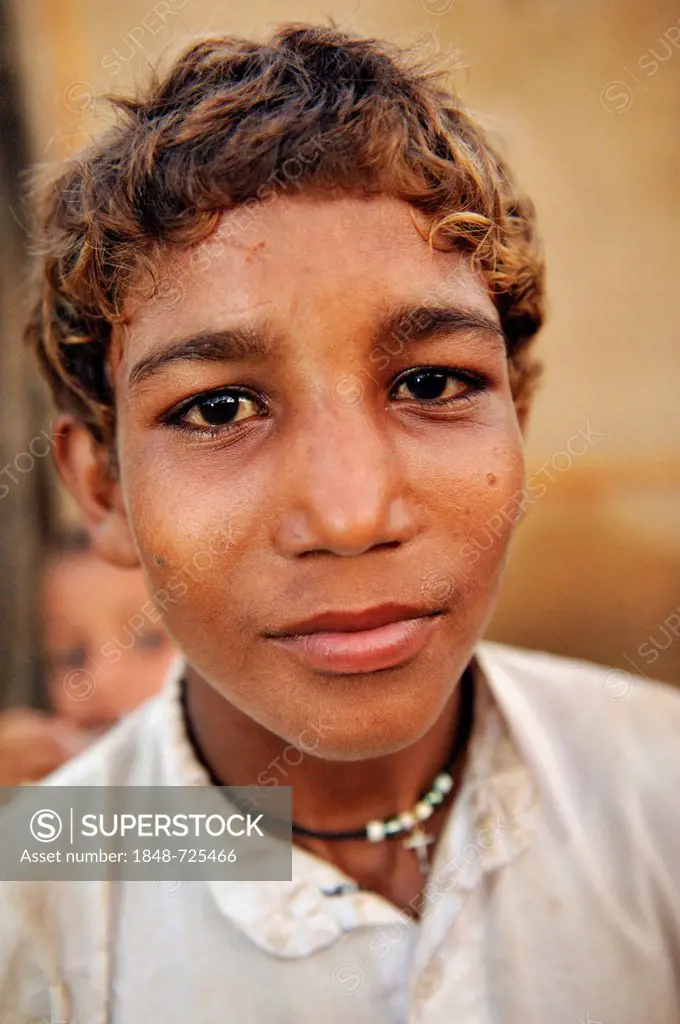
(407, 819)
(422, 811)
(393, 826)
(375, 831)
(444, 783)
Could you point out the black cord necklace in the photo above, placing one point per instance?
(409, 822)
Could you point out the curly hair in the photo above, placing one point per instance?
(233, 123)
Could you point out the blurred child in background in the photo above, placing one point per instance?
(105, 653)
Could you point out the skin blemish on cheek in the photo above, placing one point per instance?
(491, 479)
(159, 561)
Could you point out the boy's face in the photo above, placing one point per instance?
(333, 485)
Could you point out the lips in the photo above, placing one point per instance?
(351, 622)
(362, 641)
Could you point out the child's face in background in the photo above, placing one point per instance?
(104, 656)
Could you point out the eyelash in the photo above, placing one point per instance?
(174, 418)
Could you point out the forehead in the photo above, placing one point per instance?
(295, 260)
(79, 586)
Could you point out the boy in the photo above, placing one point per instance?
(289, 300)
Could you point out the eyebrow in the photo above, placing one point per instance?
(227, 345)
(407, 324)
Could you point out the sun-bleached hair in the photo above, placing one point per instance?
(233, 123)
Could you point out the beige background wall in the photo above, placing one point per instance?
(586, 96)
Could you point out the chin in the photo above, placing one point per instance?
(365, 748)
(378, 727)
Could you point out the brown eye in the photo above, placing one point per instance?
(433, 385)
(221, 409)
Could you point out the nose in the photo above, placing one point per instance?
(342, 486)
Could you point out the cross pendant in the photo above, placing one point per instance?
(418, 841)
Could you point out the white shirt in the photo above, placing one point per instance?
(554, 895)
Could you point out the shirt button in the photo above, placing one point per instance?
(429, 982)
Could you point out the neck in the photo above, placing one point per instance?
(327, 795)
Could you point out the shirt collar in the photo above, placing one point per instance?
(491, 822)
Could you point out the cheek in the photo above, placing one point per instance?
(495, 503)
(190, 568)
(195, 531)
(187, 510)
(497, 490)
(476, 499)
(478, 483)
(183, 526)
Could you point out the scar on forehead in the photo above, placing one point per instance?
(255, 248)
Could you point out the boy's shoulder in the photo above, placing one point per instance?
(590, 732)
(589, 689)
(574, 695)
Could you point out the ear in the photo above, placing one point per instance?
(85, 468)
(522, 408)
(525, 382)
